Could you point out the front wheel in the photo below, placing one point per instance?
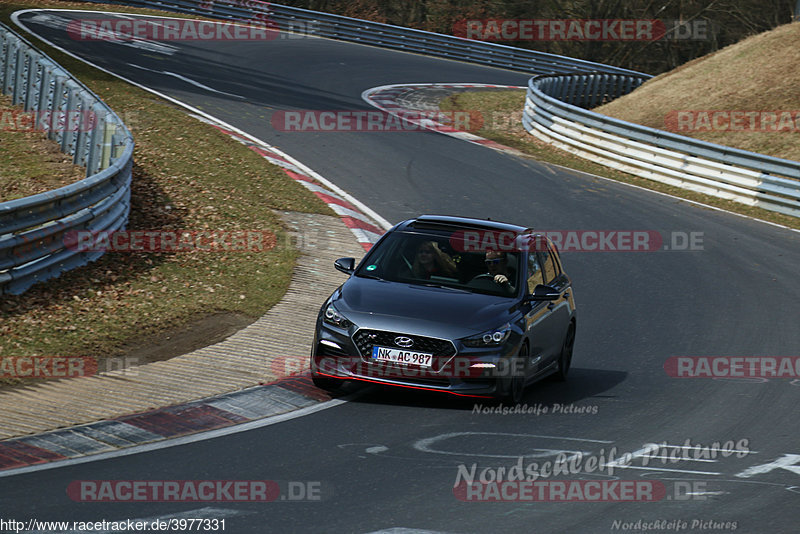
(565, 359)
(515, 384)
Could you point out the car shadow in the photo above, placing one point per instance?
(583, 383)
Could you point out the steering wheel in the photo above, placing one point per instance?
(483, 281)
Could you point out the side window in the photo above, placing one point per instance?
(534, 272)
(559, 265)
(549, 265)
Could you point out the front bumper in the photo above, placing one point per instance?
(462, 371)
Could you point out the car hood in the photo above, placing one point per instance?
(421, 310)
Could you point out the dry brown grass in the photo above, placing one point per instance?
(757, 74)
(30, 163)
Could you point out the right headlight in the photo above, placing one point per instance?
(334, 318)
(492, 338)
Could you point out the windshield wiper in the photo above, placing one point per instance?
(441, 286)
(372, 276)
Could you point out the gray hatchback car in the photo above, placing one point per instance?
(469, 307)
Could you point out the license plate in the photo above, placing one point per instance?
(386, 354)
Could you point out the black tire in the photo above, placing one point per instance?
(565, 359)
(324, 383)
(515, 384)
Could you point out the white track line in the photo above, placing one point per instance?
(363, 207)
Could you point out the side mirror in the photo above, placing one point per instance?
(543, 292)
(346, 265)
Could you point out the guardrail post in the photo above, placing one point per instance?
(10, 69)
(4, 44)
(65, 124)
(34, 84)
(53, 105)
(108, 135)
(96, 149)
(19, 69)
(82, 125)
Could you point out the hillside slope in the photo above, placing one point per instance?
(746, 95)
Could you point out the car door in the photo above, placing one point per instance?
(559, 310)
(538, 320)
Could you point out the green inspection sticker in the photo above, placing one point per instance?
(371, 267)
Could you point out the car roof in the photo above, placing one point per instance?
(448, 222)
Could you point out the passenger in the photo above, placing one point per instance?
(431, 261)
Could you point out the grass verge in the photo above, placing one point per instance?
(187, 175)
(31, 163)
(756, 79)
(505, 126)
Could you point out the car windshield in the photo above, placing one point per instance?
(440, 259)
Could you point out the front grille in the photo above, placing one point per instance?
(441, 349)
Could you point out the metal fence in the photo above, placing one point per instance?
(32, 229)
(303, 21)
(35, 231)
(555, 112)
(554, 106)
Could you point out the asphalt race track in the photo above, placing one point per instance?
(389, 460)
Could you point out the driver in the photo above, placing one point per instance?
(497, 267)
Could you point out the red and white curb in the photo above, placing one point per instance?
(366, 229)
(284, 395)
(385, 98)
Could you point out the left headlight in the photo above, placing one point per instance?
(491, 338)
(333, 317)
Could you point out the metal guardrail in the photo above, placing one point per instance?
(33, 230)
(319, 24)
(554, 105)
(555, 112)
